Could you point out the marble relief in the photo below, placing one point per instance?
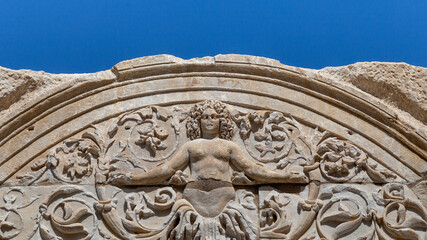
(235, 175)
(208, 169)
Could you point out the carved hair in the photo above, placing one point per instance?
(226, 126)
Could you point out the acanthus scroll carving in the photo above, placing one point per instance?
(210, 207)
(274, 221)
(67, 213)
(206, 182)
(139, 206)
(387, 214)
(11, 220)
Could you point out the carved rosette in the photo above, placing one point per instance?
(149, 134)
(341, 161)
(266, 134)
(71, 162)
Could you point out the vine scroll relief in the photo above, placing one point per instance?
(211, 171)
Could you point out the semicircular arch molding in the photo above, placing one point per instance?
(248, 82)
(224, 147)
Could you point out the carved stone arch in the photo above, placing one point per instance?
(349, 153)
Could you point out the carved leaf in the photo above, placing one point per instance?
(376, 175)
(264, 149)
(135, 117)
(29, 178)
(95, 137)
(39, 164)
(103, 234)
(68, 214)
(67, 210)
(52, 161)
(276, 117)
(162, 114)
(73, 228)
(145, 130)
(332, 156)
(146, 113)
(406, 233)
(134, 227)
(46, 235)
(413, 222)
(401, 214)
(260, 136)
(279, 146)
(343, 207)
(245, 128)
(282, 163)
(69, 224)
(278, 135)
(346, 227)
(113, 129)
(339, 217)
(146, 212)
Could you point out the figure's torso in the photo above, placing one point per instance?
(210, 159)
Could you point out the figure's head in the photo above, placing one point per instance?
(209, 117)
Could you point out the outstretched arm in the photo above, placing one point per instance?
(155, 175)
(260, 173)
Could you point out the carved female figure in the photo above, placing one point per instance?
(209, 155)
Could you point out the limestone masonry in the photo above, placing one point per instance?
(224, 147)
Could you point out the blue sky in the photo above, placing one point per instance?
(86, 36)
